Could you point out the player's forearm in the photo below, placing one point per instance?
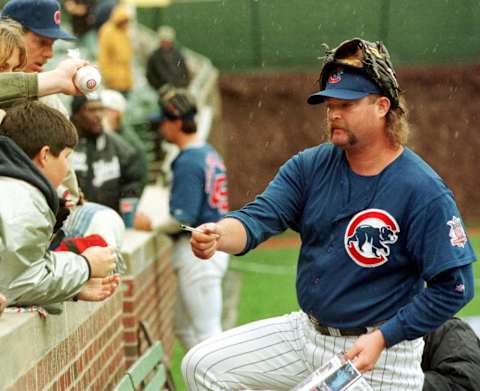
(233, 236)
(432, 307)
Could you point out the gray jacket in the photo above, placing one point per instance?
(29, 272)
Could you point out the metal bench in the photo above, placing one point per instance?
(149, 372)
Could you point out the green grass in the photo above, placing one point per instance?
(265, 295)
(473, 308)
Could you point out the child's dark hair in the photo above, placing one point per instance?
(33, 125)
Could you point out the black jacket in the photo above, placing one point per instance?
(14, 163)
(167, 66)
(107, 169)
(451, 358)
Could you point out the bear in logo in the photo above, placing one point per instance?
(377, 237)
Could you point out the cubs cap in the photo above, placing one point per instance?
(345, 83)
(39, 16)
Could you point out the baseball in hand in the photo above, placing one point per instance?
(87, 79)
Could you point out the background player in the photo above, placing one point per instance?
(376, 223)
(198, 194)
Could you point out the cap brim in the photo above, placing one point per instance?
(54, 34)
(319, 97)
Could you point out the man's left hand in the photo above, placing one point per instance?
(366, 350)
(98, 289)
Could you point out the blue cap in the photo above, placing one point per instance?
(347, 84)
(40, 16)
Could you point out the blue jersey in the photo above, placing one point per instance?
(199, 187)
(368, 243)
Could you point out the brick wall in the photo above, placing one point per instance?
(149, 297)
(91, 358)
(90, 345)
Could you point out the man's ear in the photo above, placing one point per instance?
(179, 123)
(40, 159)
(383, 105)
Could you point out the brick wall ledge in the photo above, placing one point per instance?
(26, 338)
(85, 347)
(141, 248)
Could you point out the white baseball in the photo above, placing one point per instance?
(87, 79)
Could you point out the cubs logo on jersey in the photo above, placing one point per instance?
(369, 236)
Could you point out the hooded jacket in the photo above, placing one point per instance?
(167, 65)
(30, 274)
(115, 51)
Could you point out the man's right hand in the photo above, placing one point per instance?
(102, 260)
(60, 79)
(66, 71)
(205, 244)
(98, 289)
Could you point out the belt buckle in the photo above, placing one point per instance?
(334, 332)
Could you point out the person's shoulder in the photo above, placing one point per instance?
(210, 149)
(413, 170)
(198, 150)
(119, 142)
(106, 27)
(319, 154)
(325, 149)
(27, 198)
(194, 156)
(20, 185)
(157, 52)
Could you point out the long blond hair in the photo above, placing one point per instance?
(398, 127)
(11, 37)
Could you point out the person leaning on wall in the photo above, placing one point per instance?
(35, 142)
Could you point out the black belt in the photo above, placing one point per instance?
(336, 332)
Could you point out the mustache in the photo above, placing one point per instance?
(336, 125)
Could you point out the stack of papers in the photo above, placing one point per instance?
(336, 375)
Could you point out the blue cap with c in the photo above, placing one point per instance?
(345, 83)
(40, 16)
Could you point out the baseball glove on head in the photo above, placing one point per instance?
(372, 57)
(176, 102)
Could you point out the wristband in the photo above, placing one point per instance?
(88, 264)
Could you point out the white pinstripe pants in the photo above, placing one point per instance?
(198, 306)
(278, 353)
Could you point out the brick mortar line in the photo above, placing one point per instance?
(96, 356)
(113, 374)
(75, 359)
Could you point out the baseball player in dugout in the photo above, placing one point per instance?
(384, 257)
(198, 194)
